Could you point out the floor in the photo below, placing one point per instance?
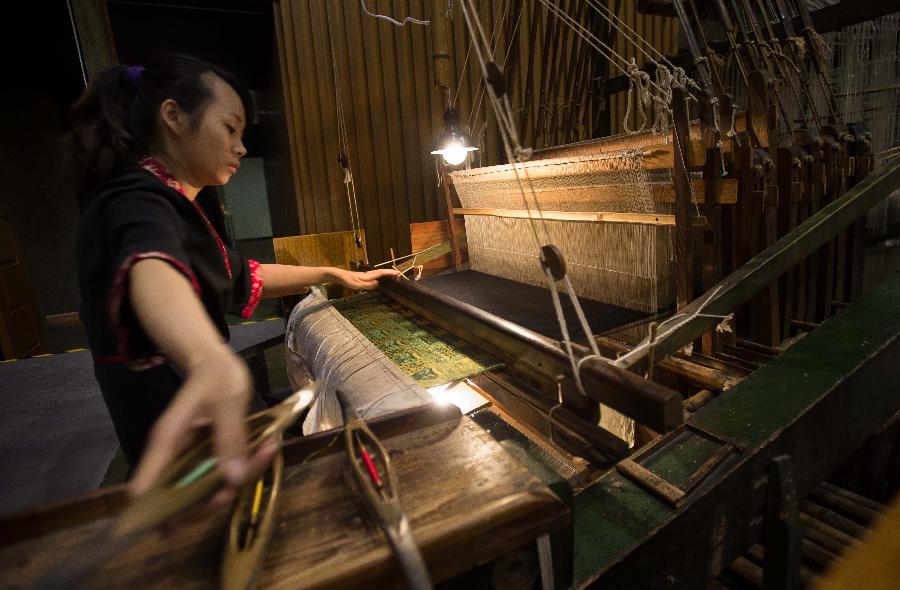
(56, 438)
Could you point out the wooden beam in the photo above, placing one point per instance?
(580, 216)
(657, 156)
(67, 319)
(646, 401)
(95, 38)
(684, 292)
(662, 192)
(452, 228)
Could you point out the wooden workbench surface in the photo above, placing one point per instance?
(467, 499)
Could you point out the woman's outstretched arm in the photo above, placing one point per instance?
(284, 279)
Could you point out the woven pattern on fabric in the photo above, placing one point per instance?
(424, 351)
(324, 346)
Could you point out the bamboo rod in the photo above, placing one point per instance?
(757, 555)
(580, 216)
(824, 540)
(706, 377)
(826, 529)
(858, 512)
(831, 488)
(831, 518)
(749, 571)
(698, 400)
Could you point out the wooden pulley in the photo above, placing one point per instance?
(552, 260)
(496, 78)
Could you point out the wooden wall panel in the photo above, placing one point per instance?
(393, 113)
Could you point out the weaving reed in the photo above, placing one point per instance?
(624, 264)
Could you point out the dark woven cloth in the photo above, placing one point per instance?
(529, 306)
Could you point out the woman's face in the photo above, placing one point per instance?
(211, 148)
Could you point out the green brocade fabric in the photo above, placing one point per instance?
(427, 353)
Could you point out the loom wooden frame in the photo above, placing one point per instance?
(578, 216)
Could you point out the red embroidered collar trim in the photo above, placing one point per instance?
(158, 170)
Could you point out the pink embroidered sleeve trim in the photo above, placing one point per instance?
(256, 285)
(114, 308)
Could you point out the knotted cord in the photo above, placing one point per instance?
(517, 156)
(344, 150)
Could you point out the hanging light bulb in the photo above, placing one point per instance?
(452, 144)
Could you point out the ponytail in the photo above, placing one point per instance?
(114, 122)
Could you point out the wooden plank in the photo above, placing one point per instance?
(428, 233)
(306, 23)
(423, 122)
(391, 139)
(650, 481)
(70, 318)
(455, 246)
(328, 249)
(287, 47)
(467, 499)
(579, 216)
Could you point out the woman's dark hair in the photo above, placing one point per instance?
(113, 123)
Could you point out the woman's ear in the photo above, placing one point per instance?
(173, 118)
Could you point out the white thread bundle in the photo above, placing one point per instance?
(624, 264)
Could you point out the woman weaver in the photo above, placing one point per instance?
(156, 279)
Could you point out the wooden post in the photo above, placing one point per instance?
(683, 260)
(781, 566)
(95, 39)
(712, 246)
(789, 167)
(451, 227)
(772, 329)
(816, 200)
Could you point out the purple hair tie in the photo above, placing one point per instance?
(133, 75)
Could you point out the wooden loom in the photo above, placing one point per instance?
(750, 235)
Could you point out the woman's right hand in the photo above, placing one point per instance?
(215, 396)
(216, 388)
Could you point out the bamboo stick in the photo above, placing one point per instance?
(830, 487)
(579, 216)
(831, 518)
(858, 512)
(826, 529)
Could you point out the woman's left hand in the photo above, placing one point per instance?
(362, 280)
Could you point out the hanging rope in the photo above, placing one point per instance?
(517, 156)
(408, 19)
(639, 85)
(616, 59)
(344, 150)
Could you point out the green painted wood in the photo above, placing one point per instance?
(615, 515)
